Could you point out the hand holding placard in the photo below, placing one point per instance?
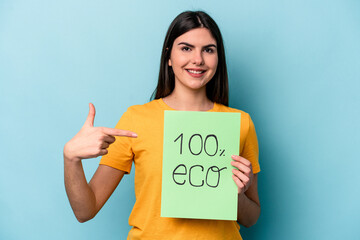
(90, 141)
(243, 174)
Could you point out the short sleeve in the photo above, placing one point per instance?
(251, 148)
(120, 154)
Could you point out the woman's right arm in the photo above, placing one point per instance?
(86, 199)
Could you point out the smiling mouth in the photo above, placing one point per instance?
(196, 71)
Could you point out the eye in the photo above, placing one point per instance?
(186, 49)
(209, 50)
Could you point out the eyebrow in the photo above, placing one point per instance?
(189, 45)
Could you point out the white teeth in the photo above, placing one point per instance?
(196, 72)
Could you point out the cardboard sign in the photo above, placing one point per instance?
(196, 174)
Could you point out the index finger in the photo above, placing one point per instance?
(118, 132)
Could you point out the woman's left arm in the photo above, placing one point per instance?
(248, 197)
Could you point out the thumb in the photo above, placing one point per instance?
(91, 116)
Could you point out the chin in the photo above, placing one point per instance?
(196, 85)
(193, 84)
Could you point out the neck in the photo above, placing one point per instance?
(189, 100)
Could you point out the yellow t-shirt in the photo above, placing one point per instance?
(146, 151)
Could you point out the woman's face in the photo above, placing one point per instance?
(194, 59)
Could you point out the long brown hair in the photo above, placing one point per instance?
(217, 89)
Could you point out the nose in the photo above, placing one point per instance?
(197, 58)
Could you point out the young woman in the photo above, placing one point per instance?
(193, 77)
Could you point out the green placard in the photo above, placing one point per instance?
(196, 174)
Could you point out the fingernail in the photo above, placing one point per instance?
(134, 135)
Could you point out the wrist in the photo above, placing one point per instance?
(68, 155)
(241, 196)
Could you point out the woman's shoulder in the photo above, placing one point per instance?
(146, 107)
(223, 108)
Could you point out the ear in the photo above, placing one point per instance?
(169, 61)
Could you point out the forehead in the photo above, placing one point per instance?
(197, 36)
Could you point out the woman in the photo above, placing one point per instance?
(193, 77)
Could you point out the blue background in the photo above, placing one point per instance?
(293, 65)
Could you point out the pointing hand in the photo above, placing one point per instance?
(90, 141)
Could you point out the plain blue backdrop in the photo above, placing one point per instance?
(293, 65)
